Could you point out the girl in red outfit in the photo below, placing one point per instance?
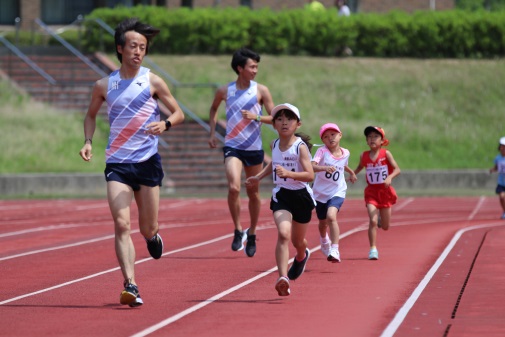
(380, 168)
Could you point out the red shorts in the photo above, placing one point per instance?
(380, 196)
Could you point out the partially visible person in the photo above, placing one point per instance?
(380, 170)
(499, 166)
(244, 99)
(292, 199)
(133, 166)
(329, 164)
(315, 6)
(343, 9)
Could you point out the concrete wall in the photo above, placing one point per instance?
(84, 185)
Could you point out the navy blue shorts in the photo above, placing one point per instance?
(322, 208)
(248, 158)
(297, 202)
(147, 173)
(500, 189)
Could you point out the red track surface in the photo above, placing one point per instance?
(441, 272)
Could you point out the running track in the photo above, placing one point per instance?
(441, 272)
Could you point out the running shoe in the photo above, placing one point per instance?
(503, 216)
(130, 295)
(298, 267)
(250, 247)
(238, 240)
(373, 254)
(325, 247)
(334, 255)
(155, 246)
(282, 286)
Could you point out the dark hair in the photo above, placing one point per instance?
(241, 56)
(306, 139)
(286, 112)
(133, 24)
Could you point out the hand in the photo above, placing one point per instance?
(85, 152)
(281, 172)
(246, 114)
(213, 142)
(252, 181)
(155, 128)
(330, 169)
(353, 178)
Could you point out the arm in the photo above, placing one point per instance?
(255, 180)
(493, 169)
(307, 175)
(396, 170)
(218, 97)
(97, 98)
(359, 167)
(160, 89)
(352, 175)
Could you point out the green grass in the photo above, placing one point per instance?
(438, 114)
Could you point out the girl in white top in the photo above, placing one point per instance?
(292, 200)
(329, 163)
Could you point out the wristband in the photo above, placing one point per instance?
(168, 125)
(258, 118)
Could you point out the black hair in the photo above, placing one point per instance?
(133, 24)
(286, 112)
(306, 139)
(241, 56)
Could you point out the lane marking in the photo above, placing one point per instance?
(404, 310)
(214, 298)
(477, 207)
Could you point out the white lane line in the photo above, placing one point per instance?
(75, 244)
(214, 298)
(477, 208)
(117, 268)
(404, 310)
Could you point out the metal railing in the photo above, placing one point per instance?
(15, 50)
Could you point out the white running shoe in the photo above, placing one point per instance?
(334, 255)
(325, 247)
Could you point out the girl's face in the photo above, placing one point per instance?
(374, 140)
(286, 123)
(331, 138)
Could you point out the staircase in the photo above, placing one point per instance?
(73, 78)
(189, 164)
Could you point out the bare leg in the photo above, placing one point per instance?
(373, 215)
(282, 220)
(119, 197)
(233, 168)
(254, 198)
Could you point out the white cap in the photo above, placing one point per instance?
(502, 141)
(286, 106)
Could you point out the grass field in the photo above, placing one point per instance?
(438, 114)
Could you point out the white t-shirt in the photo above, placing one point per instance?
(326, 185)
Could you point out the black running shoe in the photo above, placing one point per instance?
(155, 246)
(130, 295)
(250, 247)
(238, 240)
(298, 267)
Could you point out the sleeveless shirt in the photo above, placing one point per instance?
(242, 134)
(376, 171)
(290, 160)
(131, 108)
